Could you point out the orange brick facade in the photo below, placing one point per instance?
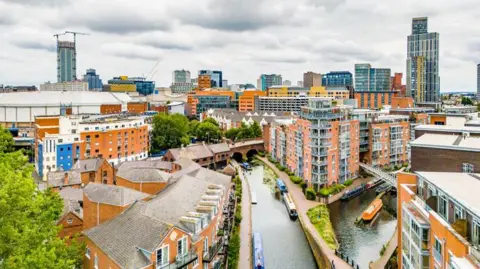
(246, 102)
(374, 100)
(138, 108)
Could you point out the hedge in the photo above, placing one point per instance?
(310, 194)
(331, 190)
(348, 182)
(296, 180)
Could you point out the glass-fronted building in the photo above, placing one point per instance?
(267, 81)
(371, 79)
(206, 102)
(181, 76)
(337, 78)
(66, 69)
(216, 77)
(423, 80)
(93, 79)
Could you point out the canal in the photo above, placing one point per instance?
(362, 243)
(284, 242)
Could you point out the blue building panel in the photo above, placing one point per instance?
(65, 156)
(40, 159)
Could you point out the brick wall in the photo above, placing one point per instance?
(443, 160)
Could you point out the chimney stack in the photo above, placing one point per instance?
(65, 179)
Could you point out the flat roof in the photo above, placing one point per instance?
(55, 98)
(459, 186)
(447, 128)
(448, 141)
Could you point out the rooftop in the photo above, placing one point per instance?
(112, 195)
(143, 174)
(448, 141)
(146, 164)
(57, 178)
(459, 186)
(447, 128)
(55, 98)
(88, 165)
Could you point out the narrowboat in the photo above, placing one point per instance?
(281, 186)
(254, 198)
(353, 193)
(257, 255)
(383, 188)
(291, 209)
(246, 166)
(373, 183)
(372, 210)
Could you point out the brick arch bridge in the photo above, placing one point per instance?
(246, 148)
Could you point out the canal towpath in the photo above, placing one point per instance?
(245, 258)
(303, 205)
(391, 246)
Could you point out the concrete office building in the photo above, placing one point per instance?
(338, 78)
(216, 78)
(423, 80)
(73, 86)
(181, 87)
(93, 80)
(181, 76)
(311, 79)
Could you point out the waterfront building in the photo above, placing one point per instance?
(438, 220)
(93, 80)
(66, 61)
(181, 76)
(231, 118)
(423, 80)
(216, 78)
(201, 101)
(368, 79)
(207, 155)
(134, 84)
(65, 86)
(338, 78)
(311, 79)
(131, 229)
(322, 146)
(62, 140)
(268, 80)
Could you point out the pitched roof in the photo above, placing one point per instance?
(143, 174)
(56, 179)
(221, 147)
(146, 164)
(196, 151)
(71, 201)
(112, 195)
(88, 165)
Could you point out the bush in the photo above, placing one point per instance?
(234, 249)
(382, 251)
(220, 233)
(348, 182)
(296, 180)
(238, 214)
(327, 191)
(320, 218)
(261, 153)
(310, 194)
(303, 185)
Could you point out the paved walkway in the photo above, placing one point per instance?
(303, 205)
(392, 245)
(245, 259)
(355, 184)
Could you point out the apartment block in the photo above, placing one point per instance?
(388, 140)
(246, 101)
(374, 99)
(201, 101)
(231, 118)
(312, 79)
(438, 220)
(62, 140)
(322, 145)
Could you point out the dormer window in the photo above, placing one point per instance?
(162, 257)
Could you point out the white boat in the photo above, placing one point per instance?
(254, 198)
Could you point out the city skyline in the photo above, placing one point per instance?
(290, 48)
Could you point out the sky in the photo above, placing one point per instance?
(243, 38)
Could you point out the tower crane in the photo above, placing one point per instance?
(75, 51)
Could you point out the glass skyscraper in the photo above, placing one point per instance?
(337, 78)
(216, 77)
(423, 80)
(66, 66)
(368, 79)
(94, 81)
(181, 76)
(267, 81)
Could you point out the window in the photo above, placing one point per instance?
(195, 263)
(60, 140)
(162, 256)
(476, 233)
(105, 173)
(96, 136)
(87, 253)
(182, 246)
(205, 246)
(467, 168)
(95, 262)
(437, 251)
(69, 221)
(442, 207)
(458, 213)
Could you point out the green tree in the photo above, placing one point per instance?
(169, 131)
(232, 133)
(245, 132)
(28, 230)
(211, 120)
(256, 129)
(192, 127)
(467, 101)
(6, 140)
(208, 131)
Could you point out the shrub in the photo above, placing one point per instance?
(296, 180)
(320, 218)
(238, 214)
(327, 191)
(310, 194)
(261, 153)
(234, 249)
(303, 185)
(220, 233)
(348, 182)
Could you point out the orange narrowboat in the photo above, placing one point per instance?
(372, 210)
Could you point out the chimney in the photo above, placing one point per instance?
(65, 179)
(85, 167)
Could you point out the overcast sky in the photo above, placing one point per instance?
(243, 38)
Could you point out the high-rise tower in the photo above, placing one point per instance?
(423, 80)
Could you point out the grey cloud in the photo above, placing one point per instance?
(328, 5)
(346, 51)
(46, 3)
(34, 45)
(134, 55)
(167, 45)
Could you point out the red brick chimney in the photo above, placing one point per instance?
(65, 179)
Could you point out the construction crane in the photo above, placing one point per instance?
(58, 55)
(75, 51)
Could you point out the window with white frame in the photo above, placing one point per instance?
(162, 256)
(437, 251)
(459, 213)
(205, 245)
(182, 247)
(87, 253)
(476, 232)
(468, 168)
(443, 206)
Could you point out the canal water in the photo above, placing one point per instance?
(362, 243)
(284, 242)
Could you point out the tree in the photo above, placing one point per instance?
(208, 131)
(169, 131)
(467, 101)
(192, 127)
(6, 140)
(245, 132)
(28, 230)
(211, 120)
(256, 129)
(232, 133)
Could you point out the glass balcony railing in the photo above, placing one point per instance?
(183, 260)
(213, 250)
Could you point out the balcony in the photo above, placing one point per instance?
(213, 250)
(182, 261)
